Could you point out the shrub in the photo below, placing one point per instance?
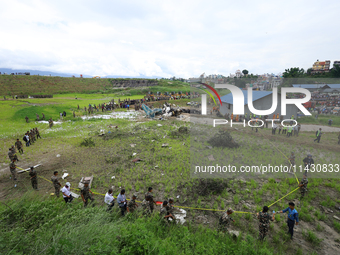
(87, 142)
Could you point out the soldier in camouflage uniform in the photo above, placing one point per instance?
(170, 207)
(19, 146)
(34, 179)
(56, 183)
(37, 133)
(152, 201)
(12, 154)
(43, 115)
(85, 194)
(264, 219)
(132, 205)
(26, 118)
(50, 123)
(224, 221)
(37, 116)
(164, 212)
(12, 168)
(303, 185)
(146, 206)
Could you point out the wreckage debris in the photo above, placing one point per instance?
(137, 160)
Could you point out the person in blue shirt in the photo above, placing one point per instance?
(293, 217)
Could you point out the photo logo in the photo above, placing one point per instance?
(238, 100)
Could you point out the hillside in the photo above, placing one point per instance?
(20, 85)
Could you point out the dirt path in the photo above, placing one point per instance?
(304, 127)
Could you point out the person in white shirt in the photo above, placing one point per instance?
(274, 129)
(121, 199)
(109, 200)
(67, 193)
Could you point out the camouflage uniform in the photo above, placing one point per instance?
(34, 178)
(132, 205)
(12, 168)
(264, 219)
(87, 195)
(26, 118)
(18, 144)
(164, 212)
(10, 155)
(151, 202)
(146, 207)
(37, 133)
(304, 181)
(224, 222)
(55, 181)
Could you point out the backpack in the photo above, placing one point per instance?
(24, 138)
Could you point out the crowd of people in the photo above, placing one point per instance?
(30, 137)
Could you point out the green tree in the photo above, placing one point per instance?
(245, 72)
(309, 71)
(335, 72)
(293, 72)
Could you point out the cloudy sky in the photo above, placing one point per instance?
(167, 38)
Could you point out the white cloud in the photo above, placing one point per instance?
(166, 38)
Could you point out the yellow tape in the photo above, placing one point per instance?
(284, 196)
(283, 155)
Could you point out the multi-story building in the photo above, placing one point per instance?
(337, 62)
(321, 66)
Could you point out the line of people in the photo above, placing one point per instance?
(29, 138)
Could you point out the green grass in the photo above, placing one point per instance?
(49, 226)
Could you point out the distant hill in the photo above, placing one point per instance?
(48, 73)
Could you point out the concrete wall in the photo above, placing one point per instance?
(264, 103)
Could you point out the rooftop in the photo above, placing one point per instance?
(256, 96)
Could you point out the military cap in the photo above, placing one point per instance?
(171, 199)
(135, 195)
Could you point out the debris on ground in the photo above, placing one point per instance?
(133, 145)
(165, 145)
(58, 155)
(85, 179)
(211, 157)
(27, 169)
(137, 160)
(232, 191)
(65, 175)
(234, 233)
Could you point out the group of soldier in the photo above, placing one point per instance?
(264, 217)
(29, 138)
(148, 204)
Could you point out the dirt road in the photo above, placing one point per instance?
(304, 127)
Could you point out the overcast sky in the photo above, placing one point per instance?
(167, 38)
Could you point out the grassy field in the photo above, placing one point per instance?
(169, 171)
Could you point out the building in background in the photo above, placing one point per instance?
(262, 100)
(336, 62)
(321, 66)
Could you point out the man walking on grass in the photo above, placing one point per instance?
(318, 135)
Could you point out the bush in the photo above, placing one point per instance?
(88, 142)
(223, 139)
